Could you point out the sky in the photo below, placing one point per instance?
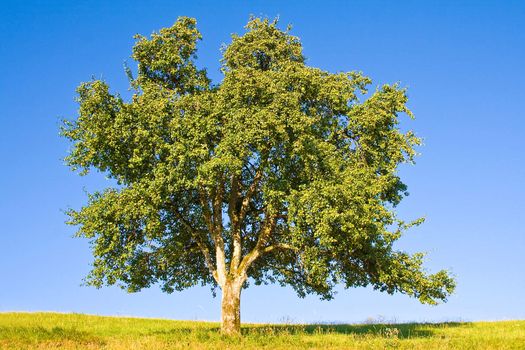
(462, 63)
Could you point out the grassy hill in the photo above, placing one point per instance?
(75, 331)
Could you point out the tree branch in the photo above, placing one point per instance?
(235, 223)
(258, 250)
(238, 218)
(216, 236)
(249, 193)
(218, 229)
(206, 212)
(276, 246)
(202, 245)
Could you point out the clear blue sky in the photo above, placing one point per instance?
(463, 63)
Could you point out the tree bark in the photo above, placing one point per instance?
(231, 308)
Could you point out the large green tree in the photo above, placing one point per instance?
(279, 173)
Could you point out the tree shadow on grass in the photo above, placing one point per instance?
(199, 332)
(400, 330)
(397, 330)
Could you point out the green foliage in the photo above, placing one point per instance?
(280, 173)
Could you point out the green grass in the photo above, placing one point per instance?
(75, 331)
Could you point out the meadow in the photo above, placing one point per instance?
(77, 331)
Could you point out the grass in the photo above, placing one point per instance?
(75, 331)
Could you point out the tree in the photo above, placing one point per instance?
(281, 173)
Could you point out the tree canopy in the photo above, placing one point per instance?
(280, 173)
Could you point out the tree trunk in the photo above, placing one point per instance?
(231, 308)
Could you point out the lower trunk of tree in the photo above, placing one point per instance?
(231, 308)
